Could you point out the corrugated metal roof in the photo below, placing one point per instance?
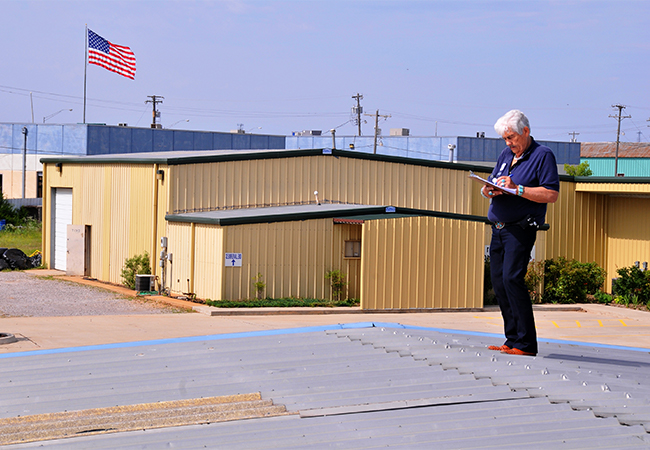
(205, 156)
(608, 150)
(275, 213)
(237, 216)
(350, 386)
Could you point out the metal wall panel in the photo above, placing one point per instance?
(577, 226)
(628, 237)
(630, 167)
(292, 258)
(614, 188)
(286, 180)
(422, 262)
(93, 211)
(351, 267)
(117, 202)
(118, 220)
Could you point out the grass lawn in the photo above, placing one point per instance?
(27, 239)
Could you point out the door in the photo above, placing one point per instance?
(61, 218)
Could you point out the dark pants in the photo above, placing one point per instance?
(509, 255)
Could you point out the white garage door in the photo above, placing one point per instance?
(61, 218)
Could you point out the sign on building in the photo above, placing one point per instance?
(233, 259)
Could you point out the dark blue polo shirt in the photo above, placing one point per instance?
(536, 168)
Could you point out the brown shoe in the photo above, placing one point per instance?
(516, 351)
(499, 348)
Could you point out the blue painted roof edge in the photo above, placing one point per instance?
(283, 331)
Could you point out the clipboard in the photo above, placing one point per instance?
(510, 191)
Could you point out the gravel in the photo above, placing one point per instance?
(23, 295)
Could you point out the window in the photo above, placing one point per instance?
(0, 183)
(39, 184)
(352, 249)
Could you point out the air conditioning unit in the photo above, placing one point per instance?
(308, 133)
(399, 131)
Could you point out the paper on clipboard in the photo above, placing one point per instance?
(489, 183)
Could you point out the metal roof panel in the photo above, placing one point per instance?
(356, 388)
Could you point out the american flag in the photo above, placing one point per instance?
(116, 58)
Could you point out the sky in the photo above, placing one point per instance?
(438, 68)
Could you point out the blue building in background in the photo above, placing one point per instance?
(93, 139)
(466, 149)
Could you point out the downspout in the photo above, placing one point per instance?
(192, 256)
(154, 222)
(45, 214)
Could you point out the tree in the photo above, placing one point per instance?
(581, 170)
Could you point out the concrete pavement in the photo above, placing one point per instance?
(598, 324)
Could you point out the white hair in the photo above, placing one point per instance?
(513, 120)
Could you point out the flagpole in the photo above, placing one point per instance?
(85, 70)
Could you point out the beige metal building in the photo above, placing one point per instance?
(407, 233)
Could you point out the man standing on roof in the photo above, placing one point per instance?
(531, 171)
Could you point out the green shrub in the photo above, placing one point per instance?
(280, 303)
(137, 265)
(602, 297)
(259, 285)
(337, 280)
(15, 217)
(633, 284)
(569, 281)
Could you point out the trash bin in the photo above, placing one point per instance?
(3, 222)
(143, 283)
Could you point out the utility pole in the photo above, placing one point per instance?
(573, 135)
(619, 118)
(155, 99)
(24, 158)
(377, 116)
(358, 110)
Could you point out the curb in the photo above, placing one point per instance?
(213, 311)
